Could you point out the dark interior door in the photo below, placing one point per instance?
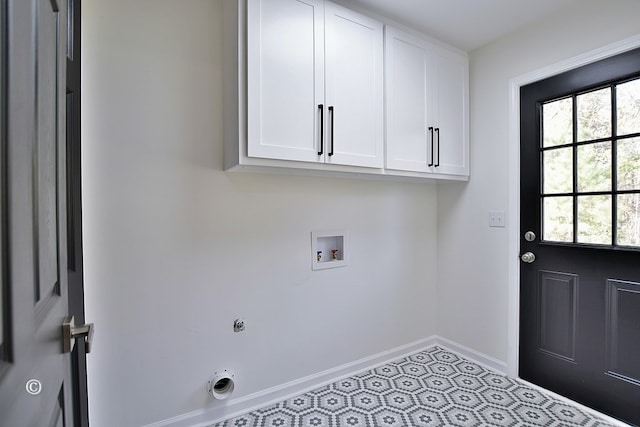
(36, 385)
(580, 235)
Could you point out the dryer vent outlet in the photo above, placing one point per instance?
(221, 385)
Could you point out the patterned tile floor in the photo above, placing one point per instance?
(430, 388)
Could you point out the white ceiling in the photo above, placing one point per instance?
(466, 24)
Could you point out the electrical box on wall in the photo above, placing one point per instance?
(328, 249)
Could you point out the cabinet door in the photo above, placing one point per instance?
(409, 100)
(285, 51)
(452, 139)
(354, 85)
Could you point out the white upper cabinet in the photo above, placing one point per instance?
(427, 106)
(313, 86)
(410, 96)
(285, 78)
(314, 83)
(452, 113)
(354, 86)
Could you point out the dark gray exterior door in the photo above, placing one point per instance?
(580, 235)
(35, 374)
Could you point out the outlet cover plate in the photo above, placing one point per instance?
(497, 219)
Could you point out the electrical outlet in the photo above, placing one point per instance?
(238, 325)
(497, 219)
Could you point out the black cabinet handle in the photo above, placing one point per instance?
(321, 108)
(332, 121)
(438, 135)
(431, 132)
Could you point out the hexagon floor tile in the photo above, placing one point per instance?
(433, 387)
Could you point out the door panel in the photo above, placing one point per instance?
(354, 86)
(452, 114)
(35, 379)
(580, 180)
(409, 98)
(623, 347)
(285, 50)
(557, 323)
(48, 275)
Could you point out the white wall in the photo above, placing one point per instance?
(175, 248)
(473, 258)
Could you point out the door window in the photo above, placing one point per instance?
(590, 175)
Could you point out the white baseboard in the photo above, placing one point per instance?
(242, 405)
(473, 355)
(251, 402)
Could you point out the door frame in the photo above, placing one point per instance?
(75, 267)
(513, 209)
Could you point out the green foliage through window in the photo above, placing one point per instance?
(591, 167)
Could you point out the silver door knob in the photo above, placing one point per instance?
(528, 257)
(70, 332)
